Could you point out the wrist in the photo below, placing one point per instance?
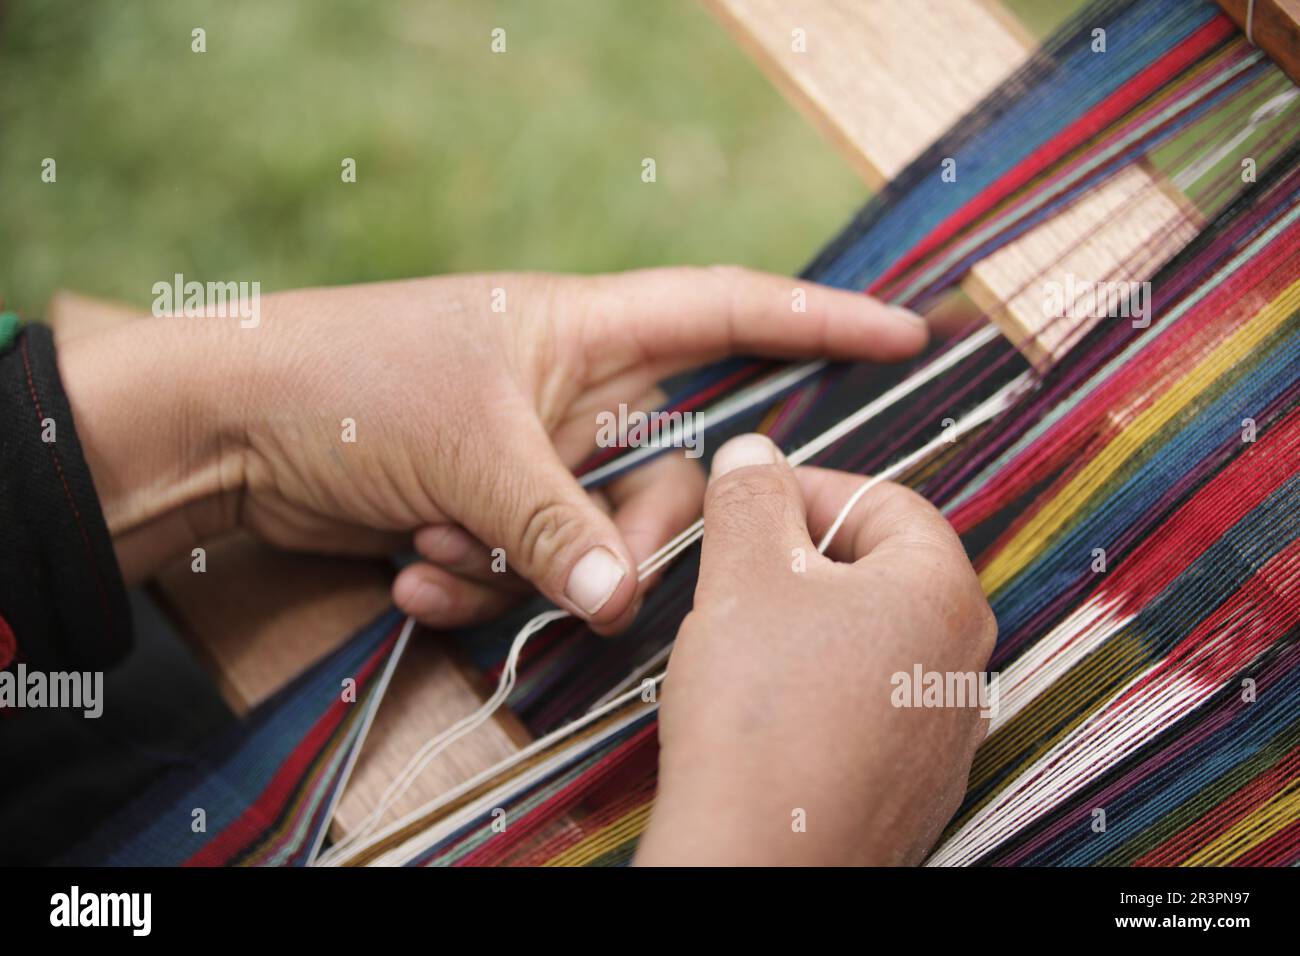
(756, 806)
(159, 420)
(713, 823)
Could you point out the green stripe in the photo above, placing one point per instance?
(8, 329)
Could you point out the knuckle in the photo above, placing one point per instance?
(748, 507)
(926, 518)
(729, 273)
(896, 496)
(969, 618)
(695, 622)
(454, 605)
(959, 607)
(547, 528)
(750, 490)
(986, 628)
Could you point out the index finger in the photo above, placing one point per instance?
(689, 315)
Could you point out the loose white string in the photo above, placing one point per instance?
(432, 747)
(1250, 22)
(659, 658)
(436, 745)
(949, 359)
(994, 405)
(904, 388)
(758, 394)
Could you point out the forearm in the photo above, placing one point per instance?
(157, 407)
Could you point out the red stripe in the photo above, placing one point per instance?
(1281, 849)
(252, 825)
(639, 795)
(8, 644)
(1232, 494)
(543, 814)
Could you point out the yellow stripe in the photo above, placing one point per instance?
(1246, 834)
(607, 838)
(1039, 531)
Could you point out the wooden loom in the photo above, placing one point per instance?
(870, 81)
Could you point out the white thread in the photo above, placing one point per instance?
(659, 659)
(986, 410)
(869, 411)
(756, 394)
(771, 387)
(419, 842)
(1269, 110)
(437, 744)
(337, 853)
(827, 438)
(369, 718)
(1250, 22)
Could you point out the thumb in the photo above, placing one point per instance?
(754, 521)
(553, 533)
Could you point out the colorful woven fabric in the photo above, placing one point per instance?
(261, 795)
(1158, 689)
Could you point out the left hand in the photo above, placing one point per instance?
(467, 422)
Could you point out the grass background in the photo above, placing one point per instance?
(226, 165)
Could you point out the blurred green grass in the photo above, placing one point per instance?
(226, 164)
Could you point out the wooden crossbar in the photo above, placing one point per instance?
(1273, 26)
(888, 77)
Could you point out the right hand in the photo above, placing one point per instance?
(778, 694)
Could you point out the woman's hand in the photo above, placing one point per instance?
(451, 408)
(778, 710)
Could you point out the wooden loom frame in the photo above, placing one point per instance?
(870, 82)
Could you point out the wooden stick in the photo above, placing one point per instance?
(1273, 26)
(880, 78)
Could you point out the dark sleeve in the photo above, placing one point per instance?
(63, 605)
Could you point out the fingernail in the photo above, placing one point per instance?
(908, 316)
(425, 599)
(743, 451)
(594, 579)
